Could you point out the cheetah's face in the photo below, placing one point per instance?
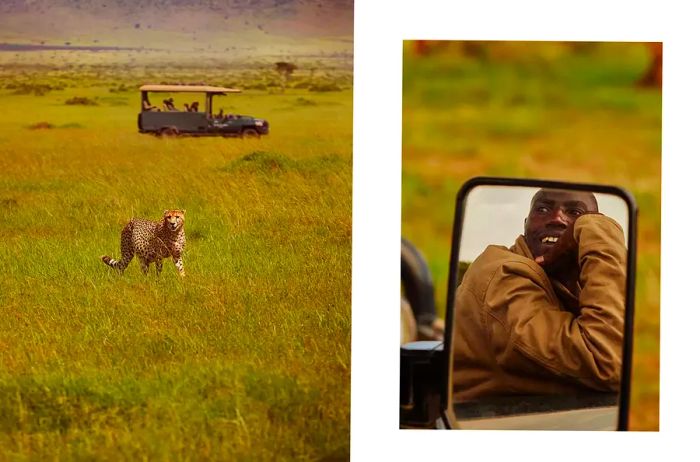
(174, 219)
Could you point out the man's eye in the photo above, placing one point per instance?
(543, 209)
(575, 212)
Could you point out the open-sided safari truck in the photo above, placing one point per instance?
(494, 369)
(188, 119)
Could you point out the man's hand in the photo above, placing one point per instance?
(564, 254)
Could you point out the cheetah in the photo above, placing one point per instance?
(152, 241)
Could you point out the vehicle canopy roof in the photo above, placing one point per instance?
(188, 89)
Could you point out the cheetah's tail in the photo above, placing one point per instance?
(111, 262)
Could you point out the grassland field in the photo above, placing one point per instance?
(538, 110)
(248, 357)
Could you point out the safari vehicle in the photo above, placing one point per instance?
(426, 393)
(168, 120)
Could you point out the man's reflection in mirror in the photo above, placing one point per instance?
(544, 316)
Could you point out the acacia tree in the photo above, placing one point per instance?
(285, 70)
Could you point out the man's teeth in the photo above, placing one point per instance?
(551, 239)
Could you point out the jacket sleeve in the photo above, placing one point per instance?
(586, 348)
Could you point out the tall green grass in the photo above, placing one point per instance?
(545, 111)
(248, 357)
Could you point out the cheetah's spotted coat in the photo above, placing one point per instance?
(152, 241)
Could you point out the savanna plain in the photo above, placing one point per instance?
(248, 357)
(543, 110)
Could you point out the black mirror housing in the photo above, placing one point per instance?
(453, 282)
(422, 364)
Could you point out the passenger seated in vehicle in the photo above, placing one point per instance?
(195, 107)
(169, 105)
(146, 105)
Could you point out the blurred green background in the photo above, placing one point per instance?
(574, 111)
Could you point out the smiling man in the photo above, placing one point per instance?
(546, 315)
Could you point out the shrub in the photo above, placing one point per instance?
(305, 102)
(261, 161)
(302, 84)
(324, 86)
(37, 89)
(119, 89)
(81, 101)
(256, 86)
(267, 162)
(41, 126)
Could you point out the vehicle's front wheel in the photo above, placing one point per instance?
(250, 133)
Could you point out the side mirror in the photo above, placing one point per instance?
(540, 307)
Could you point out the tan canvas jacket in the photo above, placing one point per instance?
(517, 332)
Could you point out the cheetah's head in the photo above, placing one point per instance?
(174, 219)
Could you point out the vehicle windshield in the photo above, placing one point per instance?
(221, 110)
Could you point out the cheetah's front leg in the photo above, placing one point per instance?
(179, 265)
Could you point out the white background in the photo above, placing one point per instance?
(380, 28)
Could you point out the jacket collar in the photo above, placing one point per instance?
(521, 248)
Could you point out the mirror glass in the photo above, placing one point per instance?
(539, 309)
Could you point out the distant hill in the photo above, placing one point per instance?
(269, 26)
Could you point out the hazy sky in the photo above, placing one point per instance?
(182, 22)
(496, 215)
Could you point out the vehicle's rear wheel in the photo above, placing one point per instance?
(250, 133)
(168, 131)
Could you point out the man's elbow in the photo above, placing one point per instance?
(607, 375)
